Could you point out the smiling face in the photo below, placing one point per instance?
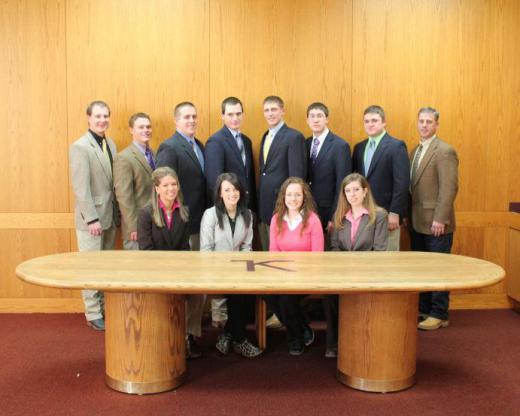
(427, 125)
(186, 120)
(317, 121)
(229, 194)
(355, 194)
(168, 190)
(273, 113)
(99, 120)
(141, 131)
(374, 124)
(294, 197)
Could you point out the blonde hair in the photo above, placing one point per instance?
(344, 206)
(157, 176)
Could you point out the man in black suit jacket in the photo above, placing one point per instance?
(229, 150)
(384, 161)
(185, 154)
(282, 154)
(329, 162)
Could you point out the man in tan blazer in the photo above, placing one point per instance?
(133, 169)
(96, 211)
(433, 185)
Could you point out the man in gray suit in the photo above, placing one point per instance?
(133, 169)
(96, 211)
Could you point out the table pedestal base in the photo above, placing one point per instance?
(144, 342)
(377, 342)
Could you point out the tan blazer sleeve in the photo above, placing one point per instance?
(80, 178)
(448, 185)
(125, 193)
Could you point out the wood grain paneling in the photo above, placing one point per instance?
(33, 107)
(513, 279)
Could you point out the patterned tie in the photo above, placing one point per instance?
(267, 145)
(415, 164)
(105, 151)
(149, 157)
(370, 154)
(314, 150)
(240, 144)
(198, 153)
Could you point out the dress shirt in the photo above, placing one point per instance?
(354, 223)
(425, 145)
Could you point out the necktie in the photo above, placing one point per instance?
(370, 154)
(240, 144)
(198, 153)
(415, 164)
(314, 150)
(149, 157)
(267, 145)
(105, 151)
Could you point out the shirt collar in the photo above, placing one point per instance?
(426, 142)
(276, 128)
(142, 148)
(349, 216)
(322, 136)
(294, 223)
(174, 206)
(233, 132)
(378, 138)
(98, 138)
(189, 139)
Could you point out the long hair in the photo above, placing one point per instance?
(157, 175)
(308, 205)
(220, 207)
(344, 206)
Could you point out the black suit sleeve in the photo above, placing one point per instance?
(401, 177)
(144, 230)
(214, 164)
(297, 157)
(343, 167)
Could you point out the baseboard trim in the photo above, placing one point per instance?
(480, 301)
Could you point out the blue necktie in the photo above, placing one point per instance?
(240, 144)
(314, 150)
(198, 153)
(370, 154)
(149, 157)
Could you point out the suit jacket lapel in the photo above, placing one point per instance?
(377, 155)
(361, 229)
(327, 144)
(232, 143)
(103, 160)
(228, 233)
(425, 160)
(141, 159)
(275, 143)
(166, 233)
(189, 150)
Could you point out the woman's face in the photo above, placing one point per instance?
(168, 189)
(355, 194)
(229, 194)
(294, 197)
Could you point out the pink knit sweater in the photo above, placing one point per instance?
(310, 240)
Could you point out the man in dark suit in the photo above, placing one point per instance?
(229, 150)
(282, 154)
(329, 162)
(434, 185)
(185, 154)
(133, 169)
(383, 160)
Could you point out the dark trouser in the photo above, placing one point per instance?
(434, 304)
(330, 307)
(287, 308)
(237, 316)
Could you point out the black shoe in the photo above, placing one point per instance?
(246, 349)
(308, 335)
(97, 324)
(223, 344)
(192, 349)
(296, 348)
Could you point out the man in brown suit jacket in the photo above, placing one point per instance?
(133, 169)
(433, 185)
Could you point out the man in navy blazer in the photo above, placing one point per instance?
(229, 150)
(383, 160)
(185, 154)
(282, 154)
(329, 162)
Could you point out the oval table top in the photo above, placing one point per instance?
(259, 272)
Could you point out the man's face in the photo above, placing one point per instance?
(317, 121)
(427, 125)
(142, 131)
(99, 120)
(186, 121)
(233, 116)
(273, 114)
(374, 124)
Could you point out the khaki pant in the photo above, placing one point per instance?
(394, 239)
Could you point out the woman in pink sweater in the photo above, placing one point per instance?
(294, 227)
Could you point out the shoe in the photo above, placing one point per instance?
(223, 344)
(246, 349)
(192, 349)
(218, 324)
(331, 353)
(431, 324)
(422, 317)
(308, 335)
(296, 348)
(97, 324)
(273, 322)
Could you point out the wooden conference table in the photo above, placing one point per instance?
(145, 312)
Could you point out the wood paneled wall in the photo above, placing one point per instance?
(460, 56)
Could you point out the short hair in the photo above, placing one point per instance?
(134, 117)
(180, 106)
(318, 106)
(98, 103)
(220, 207)
(429, 110)
(376, 109)
(231, 101)
(274, 99)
